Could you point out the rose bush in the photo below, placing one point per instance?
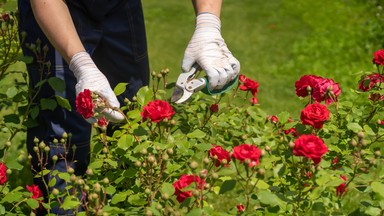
(197, 159)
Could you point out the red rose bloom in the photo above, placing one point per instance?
(249, 85)
(305, 83)
(157, 111)
(245, 152)
(219, 154)
(35, 190)
(315, 114)
(378, 57)
(3, 173)
(273, 119)
(326, 90)
(102, 122)
(342, 188)
(214, 108)
(310, 146)
(185, 181)
(242, 78)
(254, 100)
(369, 81)
(240, 208)
(376, 97)
(84, 104)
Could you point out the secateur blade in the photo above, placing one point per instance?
(186, 85)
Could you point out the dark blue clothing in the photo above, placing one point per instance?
(113, 33)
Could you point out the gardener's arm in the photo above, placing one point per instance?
(56, 22)
(207, 47)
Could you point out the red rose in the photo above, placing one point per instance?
(378, 57)
(242, 78)
(214, 108)
(306, 84)
(315, 114)
(247, 152)
(240, 208)
(254, 100)
(102, 122)
(84, 104)
(376, 97)
(342, 188)
(5, 17)
(219, 154)
(157, 111)
(3, 173)
(35, 190)
(249, 85)
(185, 181)
(291, 131)
(273, 119)
(310, 146)
(326, 90)
(369, 81)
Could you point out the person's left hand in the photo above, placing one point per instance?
(208, 49)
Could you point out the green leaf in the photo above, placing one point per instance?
(120, 197)
(2, 210)
(355, 127)
(12, 118)
(373, 211)
(34, 112)
(70, 202)
(195, 212)
(48, 104)
(33, 203)
(125, 141)
(267, 197)
(137, 200)
(12, 197)
(134, 114)
(144, 95)
(167, 188)
(52, 182)
(111, 189)
(196, 134)
(11, 92)
(120, 88)
(283, 117)
(378, 187)
(63, 102)
(64, 176)
(228, 185)
(57, 84)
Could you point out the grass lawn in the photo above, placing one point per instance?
(275, 41)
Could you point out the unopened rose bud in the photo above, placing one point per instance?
(47, 149)
(36, 149)
(94, 196)
(378, 153)
(89, 172)
(55, 158)
(9, 171)
(170, 151)
(32, 214)
(291, 144)
(137, 163)
(193, 165)
(79, 181)
(147, 191)
(42, 145)
(165, 157)
(134, 99)
(196, 193)
(159, 206)
(62, 140)
(8, 144)
(247, 161)
(353, 142)
(55, 192)
(144, 151)
(106, 181)
(207, 186)
(149, 124)
(97, 187)
(309, 89)
(148, 213)
(173, 122)
(206, 160)
(65, 135)
(73, 178)
(165, 120)
(55, 141)
(267, 148)
(360, 134)
(165, 196)
(224, 161)
(244, 137)
(45, 49)
(70, 170)
(262, 152)
(36, 140)
(105, 150)
(215, 175)
(29, 157)
(151, 159)
(159, 76)
(154, 74)
(363, 142)
(261, 171)
(86, 187)
(204, 173)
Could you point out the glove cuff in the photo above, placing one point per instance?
(79, 62)
(208, 20)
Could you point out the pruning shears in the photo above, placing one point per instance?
(187, 84)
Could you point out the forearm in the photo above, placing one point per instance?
(56, 22)
(211, 6)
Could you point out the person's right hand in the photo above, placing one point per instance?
(90, 77)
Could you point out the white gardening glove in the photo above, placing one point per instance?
(208, 49)
(90, 77)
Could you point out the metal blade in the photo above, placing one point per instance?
(177, 94)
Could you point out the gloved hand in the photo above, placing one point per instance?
(90, 77)
(208, 49)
